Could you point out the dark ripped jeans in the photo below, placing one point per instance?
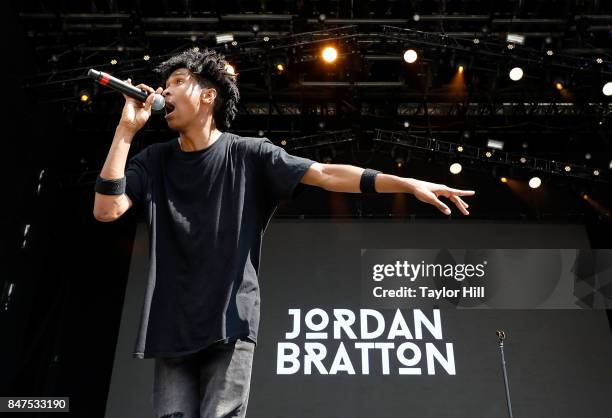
(212, 383)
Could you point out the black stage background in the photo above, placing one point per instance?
(558, 360)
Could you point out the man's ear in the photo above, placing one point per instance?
(209, 95)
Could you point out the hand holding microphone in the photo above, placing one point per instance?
(140, 100)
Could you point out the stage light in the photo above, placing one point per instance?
(280, 68)
(495, 144)
(587, 156)
(549, 52)
(610, 165)
(504, 180)
(416, 17)
(399, 161)
(84, 96)
(329, 54)
(406, 124)
(567, 168)
(599, 61)
(525, 145)
(461, 68)
(113, 61)
(559, 85)
(255, 28)
(266, 38)
(488, 154)
(230, 69)
(515, 38)
(516, 74)
(476, 41)
(284, 142)
(195, 49)
(223, 38)
(595, 172)
(410, 56)
(459, 148)
(455, 168)
(322, 17)
(146, 58)
(535, 182)
(510, 46)
(607, 89)
(260, 133)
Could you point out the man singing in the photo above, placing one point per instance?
(208, 196)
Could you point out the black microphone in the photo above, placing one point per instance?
(129, 90)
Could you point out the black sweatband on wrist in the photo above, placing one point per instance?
(368, 179)
(110, 187)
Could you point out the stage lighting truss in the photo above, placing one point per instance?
(306, 46)
(489, 156)
(319, 140)
(494, 50)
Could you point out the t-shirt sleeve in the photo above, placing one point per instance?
(282, 170)
(136, 177)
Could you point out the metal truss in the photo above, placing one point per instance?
(491, 156)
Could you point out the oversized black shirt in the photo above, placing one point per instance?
(206, 212)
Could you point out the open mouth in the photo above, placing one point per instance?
(169, 109)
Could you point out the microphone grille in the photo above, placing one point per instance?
(158, 102)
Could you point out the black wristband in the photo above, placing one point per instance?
(368, 179)
(110, 187)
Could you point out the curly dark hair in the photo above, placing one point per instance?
(209, 66)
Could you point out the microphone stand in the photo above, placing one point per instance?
(501, 335)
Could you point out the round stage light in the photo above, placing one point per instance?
(461, 68)
(559, 85)
(535, 182)
(230, 69)
(516, 74)
(410, 56)
(455, 168)
(607, 89)
(504, 180)
(329, 54)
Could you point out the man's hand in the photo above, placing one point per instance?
(136, 113)
(429, 193)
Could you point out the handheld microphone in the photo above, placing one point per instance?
(123, 87)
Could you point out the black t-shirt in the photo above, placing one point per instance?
(206, 212)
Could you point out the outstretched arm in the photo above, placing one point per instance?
(346, 178)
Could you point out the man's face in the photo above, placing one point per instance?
(187, 103)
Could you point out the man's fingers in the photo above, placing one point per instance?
(146, 88)
(459, 204)
(462, 192)
(442, 207)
